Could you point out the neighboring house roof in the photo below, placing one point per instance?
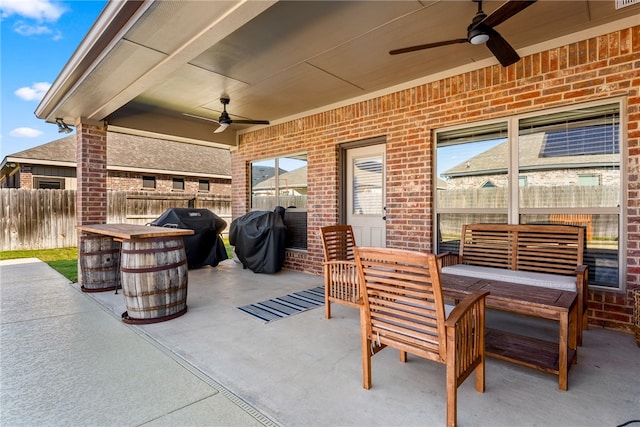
(533, 156)
(136, 153)
(296, 178)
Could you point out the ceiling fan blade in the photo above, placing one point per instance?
(425, 46)
(502, 50)
(221, 128)
(200, 117)
(506, 11)
(252, 122)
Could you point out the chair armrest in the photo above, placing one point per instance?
(446, 259)
(341, 280)
(465, 340)
(340, 263)
(466, 307)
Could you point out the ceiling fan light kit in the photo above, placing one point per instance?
(481, 30)
(478, 36)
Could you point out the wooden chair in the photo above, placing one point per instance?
(340, 272)
(403, 308)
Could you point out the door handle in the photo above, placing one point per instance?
(384, 217)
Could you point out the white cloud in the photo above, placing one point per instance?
(25, 29)
(25, 133)
(40, 10)
(34, 93)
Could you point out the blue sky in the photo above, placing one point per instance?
(37, 38)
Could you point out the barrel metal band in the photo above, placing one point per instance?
(157, 307)
(156, 292)
(152, 250)
(154, 268)
(103, 252)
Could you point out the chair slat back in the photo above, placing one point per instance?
(338, 243)
(403, 303)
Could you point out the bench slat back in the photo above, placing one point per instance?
(487, 246)
(556, 249)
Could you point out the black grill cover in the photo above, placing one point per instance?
(259, 238)
(205, 247)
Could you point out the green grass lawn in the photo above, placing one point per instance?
(64, 260)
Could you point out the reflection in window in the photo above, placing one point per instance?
(568, 172)
(282, 182)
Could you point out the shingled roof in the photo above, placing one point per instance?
(494, 160)
(139, 153)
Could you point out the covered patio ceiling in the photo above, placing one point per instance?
(148, 67)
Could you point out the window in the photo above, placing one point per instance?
(149, 182)
(49, 183)
(178, 184)
(203, 185)
(283, 182)
(565, 169)
(589, 179)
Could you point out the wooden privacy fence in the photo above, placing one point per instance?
(46, 219)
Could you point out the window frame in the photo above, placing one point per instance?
(200, 184)
(513, 209)
(176, 180)
(277, 191)
(149, 178)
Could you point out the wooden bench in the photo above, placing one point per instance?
(548, 256)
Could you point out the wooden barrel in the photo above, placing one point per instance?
(154, 279)
(99, 263)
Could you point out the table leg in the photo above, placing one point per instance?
(563, 351)
(574, 331)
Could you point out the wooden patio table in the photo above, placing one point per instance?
(133, 231)
(153, 269)
(546, 356)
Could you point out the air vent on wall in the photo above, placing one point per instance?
(624, 3)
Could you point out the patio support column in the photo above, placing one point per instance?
(91, 205)
(91, 172)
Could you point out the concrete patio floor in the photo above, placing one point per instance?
(305, 370)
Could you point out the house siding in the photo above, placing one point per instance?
(594, 69)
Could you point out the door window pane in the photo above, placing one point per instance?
(367, 186)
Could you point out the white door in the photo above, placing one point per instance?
(366, 195)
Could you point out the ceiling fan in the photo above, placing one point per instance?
(481, 31)
(224, 121)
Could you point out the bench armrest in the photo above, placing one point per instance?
(446, 259)
(582, 286)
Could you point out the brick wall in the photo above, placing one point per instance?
(164, 183)
(598, 68)
(26, 177)
(91, 152)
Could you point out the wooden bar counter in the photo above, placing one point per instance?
(150, 264)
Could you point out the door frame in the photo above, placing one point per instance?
(342, 171)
